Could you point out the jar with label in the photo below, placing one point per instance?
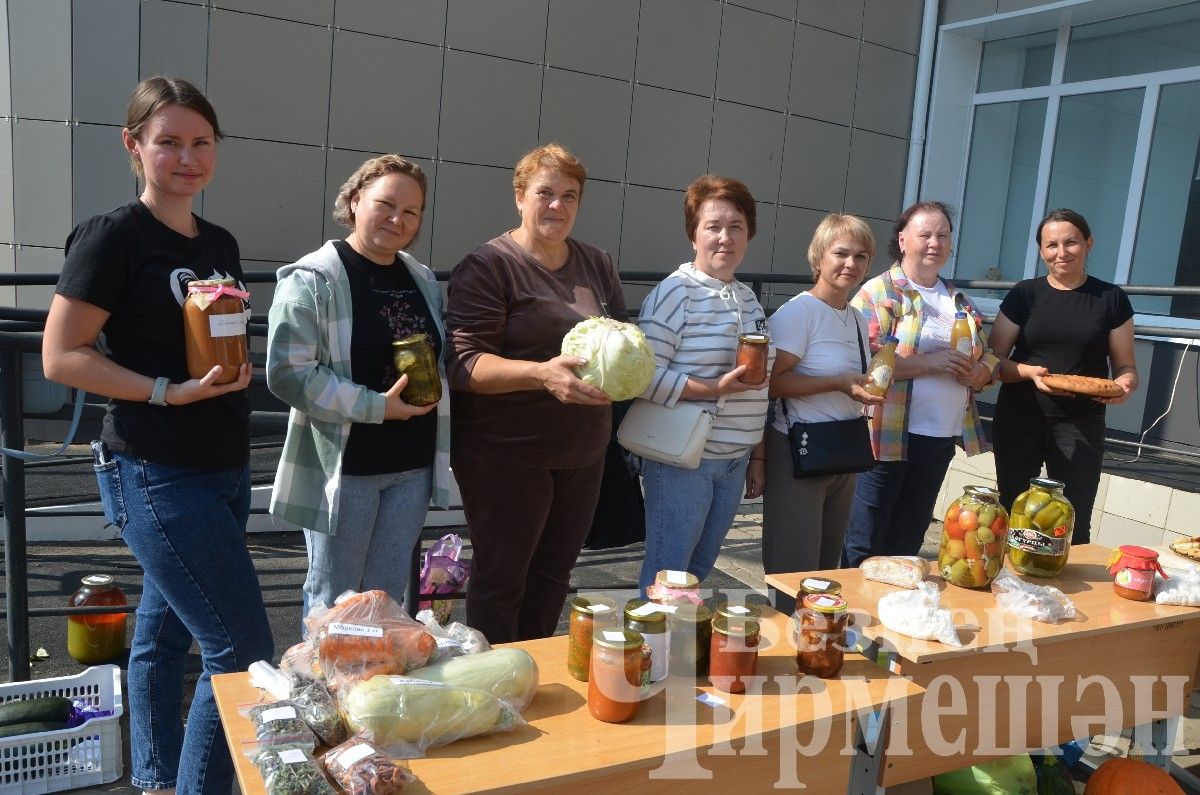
(588, 614)
(974, 537)
(614, 684)
(214, 328)
(674, 587)
(736, 611)
(733, 655)
(1133, 569)
(1039, 529)
(818, 586)
(821, 636)
(753, 352)
(413, 356)
(96, 638)
(689, 632)
(650, 620)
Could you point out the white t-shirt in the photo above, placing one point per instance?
(938, 402)
(827, 344)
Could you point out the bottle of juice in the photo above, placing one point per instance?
(961, 338)
(882, 368)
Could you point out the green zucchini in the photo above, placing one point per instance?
(32, 727)
(40, 709)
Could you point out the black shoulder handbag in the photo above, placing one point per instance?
(838, 447)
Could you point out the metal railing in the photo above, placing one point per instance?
(20, 332)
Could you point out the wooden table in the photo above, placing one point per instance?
(675, 744)
(1021, 685)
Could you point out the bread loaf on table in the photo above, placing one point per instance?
(903, 572)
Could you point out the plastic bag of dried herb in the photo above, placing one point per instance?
(316, 707)
(290, 771)
(278, 719)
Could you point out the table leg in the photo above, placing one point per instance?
(866, 767)
(1162, 738)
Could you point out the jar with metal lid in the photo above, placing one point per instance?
(819, 585)
(1039, 529)
(690, 635)
(1133, 569)
(733, 655)
(614, 684)
(648, 619)
(588, 613)
(413, 356)
(736, 611)
(214, 328)
(821, 636)
(753, 351)
(974, 537)
(96, 638)
(674, 587)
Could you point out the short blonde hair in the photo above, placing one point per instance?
(367, 173)
(833, 227)
(551, 155)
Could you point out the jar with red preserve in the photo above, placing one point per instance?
(821, 635)
(752, 352)
(615, 679)
(588, 613)
(1133, 569)
(733, 655)
(214, 328)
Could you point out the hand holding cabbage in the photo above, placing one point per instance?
(619, 360)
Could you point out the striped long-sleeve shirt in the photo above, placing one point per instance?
(691, 321)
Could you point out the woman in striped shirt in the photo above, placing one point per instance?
(692, 320)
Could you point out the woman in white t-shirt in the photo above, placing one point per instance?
(821, 346)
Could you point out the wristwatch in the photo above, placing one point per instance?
(158, 395)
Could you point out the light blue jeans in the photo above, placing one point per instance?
(688, 513)
(379, 520)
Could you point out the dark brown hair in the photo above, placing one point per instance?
(367, 173)
(905, 217)
(722, 188)
(1071, 217)
(155, 93)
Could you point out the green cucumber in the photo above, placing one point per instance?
(32, 727)
(53, 709)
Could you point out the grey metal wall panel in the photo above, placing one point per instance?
(893, 23)
(599, 219)
(104, 62)
(473, 205)
(1017, 5)
(824, 74)
(875, 180)
(405, 118)
(884, 97)
(1128, 416)
(668, 137)
(780, 8)
(269, 78)
(512, 29)
(793, 231)
(652, 234)
(598, 38)
(42, 182)
(6, 61)
(762, 247)
(8, 264)
(841, 16)
(37, 260)
(101, 179)
(590, 115)
(756, 57)
(7, 233)
(270, 196)
(747, 143)
(315, 12)
(959, 10)
(174, 42)
(489, 109)
(39, 40)
(677, 44)
(815, 157)
(414, 20)
(881, 228)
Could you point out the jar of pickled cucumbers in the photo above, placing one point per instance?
(1040, 526)
(974, 534)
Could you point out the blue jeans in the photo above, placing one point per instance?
(893, 501)
(688, 513)
(379, 521)
(187, 529)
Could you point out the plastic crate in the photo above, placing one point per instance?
(68, 758)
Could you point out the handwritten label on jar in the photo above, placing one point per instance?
(826, 600)
(816, 585)
(231, 325)
(354, 754)
(677, 578)
(359, 630)
(279, 713)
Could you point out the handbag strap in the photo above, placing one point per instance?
(862, 357)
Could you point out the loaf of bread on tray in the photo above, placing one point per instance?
(1084, 385)
(903, 572)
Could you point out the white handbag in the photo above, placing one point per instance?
(673, 435)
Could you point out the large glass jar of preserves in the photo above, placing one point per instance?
(648, 619)
(614, 684)
(974, 537)
(96, 638)
(821, 635)
(588, 613)
(733, 655)
(214, 328)
(1040, 525)
(413, 356)
(689, 636)
(753, 351)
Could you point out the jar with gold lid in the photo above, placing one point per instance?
(588, 614)
(733, 655)
(614, 683)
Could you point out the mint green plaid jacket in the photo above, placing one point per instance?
(308, 367)
(889, 422)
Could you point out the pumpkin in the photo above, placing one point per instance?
(1131, 777)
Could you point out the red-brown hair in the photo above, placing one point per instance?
(721, 188)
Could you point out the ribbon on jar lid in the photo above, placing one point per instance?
(1136, 558)
(217, 289)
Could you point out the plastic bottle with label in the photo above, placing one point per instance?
(961, 338)
(882, 369)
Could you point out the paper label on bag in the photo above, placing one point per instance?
(816, 585)
(677, 577)
(360, 630)
(355, 753)
(231, 325)
(449, 643)
(279, 713)
(292, 756)
(614, 636)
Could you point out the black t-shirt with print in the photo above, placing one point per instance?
(133, 266)
(388, 306)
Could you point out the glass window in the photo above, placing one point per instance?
(1021, 62)
(1150, 42)
(1167, 250)
(1006, 140)
(1093, 161)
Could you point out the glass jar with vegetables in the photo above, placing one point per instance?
(615, 681)
(690, 634)
(588, 614)
(649, 619)
(974, 534)
(821, 635)
(1040, 526)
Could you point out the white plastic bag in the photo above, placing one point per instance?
(917, 614)
(1036, 602)
(1182, 591)
(453, 640)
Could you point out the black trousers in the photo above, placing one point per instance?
(1072, 448)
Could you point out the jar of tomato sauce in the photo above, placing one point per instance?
(821, 639)
(214, 328)
(752, 352)
(1133, 569)
(588, 613)
(96, 638)
(614, 683)
(733, 655)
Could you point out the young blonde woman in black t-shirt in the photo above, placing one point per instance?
(172, 457)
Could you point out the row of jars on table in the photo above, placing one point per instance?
(620, 651)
